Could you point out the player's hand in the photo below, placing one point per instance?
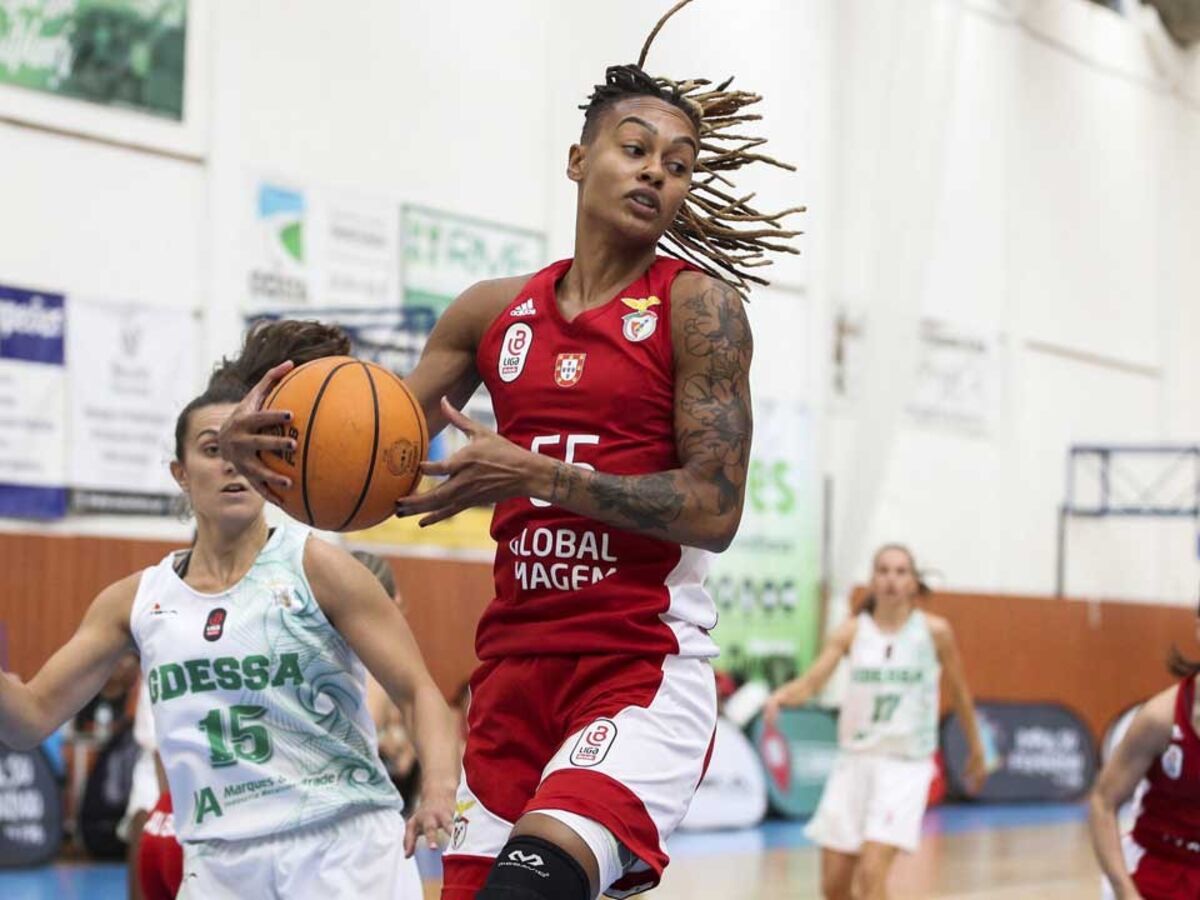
(490, 468)
(435, 814)
(976, 772)
(241, 438)
(771, 711)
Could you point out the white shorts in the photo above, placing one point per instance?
(360, 855)
(143, 792)
(870, 798)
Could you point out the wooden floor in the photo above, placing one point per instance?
(1007, 853)
(993, 854)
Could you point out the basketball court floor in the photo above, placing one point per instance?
(1026, 851)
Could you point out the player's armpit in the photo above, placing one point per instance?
(447, 365)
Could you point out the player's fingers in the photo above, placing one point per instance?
(263, 419)
(442, 514)
(259, 392)
(427, 501)
(431, 835)
(410, 836)
(436, 469)
(458, 419)
(258, 472)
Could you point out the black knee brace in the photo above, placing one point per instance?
(529, 868)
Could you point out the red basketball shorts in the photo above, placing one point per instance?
(620, 740)
(160, 856)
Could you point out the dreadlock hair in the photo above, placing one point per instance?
(715, 230)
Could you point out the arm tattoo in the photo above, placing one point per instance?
(647, 501)
(716, 399)
(566, 479)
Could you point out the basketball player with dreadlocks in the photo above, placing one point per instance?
(620, 382)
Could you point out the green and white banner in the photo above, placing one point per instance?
(124, 53)
(767, 584)
(445, 253)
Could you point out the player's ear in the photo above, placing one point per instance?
(577, 162)
(179, 473)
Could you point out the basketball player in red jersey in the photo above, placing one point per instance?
(1160, 858)
(620, 384)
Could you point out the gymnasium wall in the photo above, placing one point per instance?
(1022, 173)
(48, 581)
(1097, 658)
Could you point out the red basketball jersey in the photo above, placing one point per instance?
(1168, 820)
(597, 392)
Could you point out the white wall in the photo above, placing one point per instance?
(1060, 223)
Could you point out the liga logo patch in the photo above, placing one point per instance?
(214, 625)
(568, 369)
(640, 324)
(514, 350)
(1172, 762)
(593, 745)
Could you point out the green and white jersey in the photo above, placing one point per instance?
(259, 704)
(891, 701)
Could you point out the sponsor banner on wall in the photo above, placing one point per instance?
(797, 757)
(444, 254)
(32, 404)
(733, 793)
(31, 807)
(766, 584)
(1037, 752)
(132, 369)
(122, 53)
(313, 247)
(957, 383)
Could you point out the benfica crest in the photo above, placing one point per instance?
(568, 368)
(642, 322)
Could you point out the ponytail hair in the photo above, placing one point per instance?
(1180, 666)
(268, 343)
(923, 589)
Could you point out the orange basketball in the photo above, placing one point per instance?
(359, 436)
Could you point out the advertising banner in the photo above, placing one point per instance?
(313, 247)
(32, 404)
(733, 793)
(797, 756)
(123, 53)
(1039, 751)
(767, 584)
(443, 255)
(31, 808)
(132, 369)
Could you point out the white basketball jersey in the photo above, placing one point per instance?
(891, 701)
(258, 702)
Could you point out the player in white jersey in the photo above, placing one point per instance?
(250, 644)
(875, 797)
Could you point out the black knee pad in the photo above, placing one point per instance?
(529, 868)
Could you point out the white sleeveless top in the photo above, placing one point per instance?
(258, 702)
(891, 701)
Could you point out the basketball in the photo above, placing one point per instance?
(359, 435)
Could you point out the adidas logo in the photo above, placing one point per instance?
(524, 309)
